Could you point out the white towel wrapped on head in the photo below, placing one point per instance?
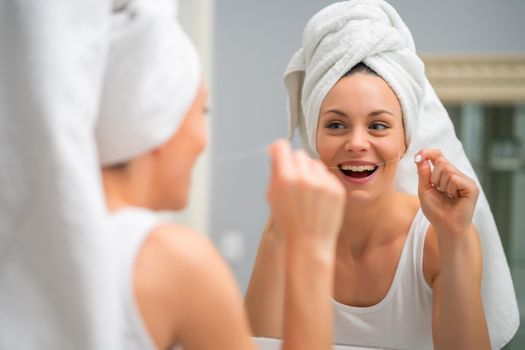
(152, 78)
(370, 31)
(335, 40)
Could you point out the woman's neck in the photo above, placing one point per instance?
(374, 223)
(120, 190)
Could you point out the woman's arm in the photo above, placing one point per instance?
(308, 314)
(305, 272)
(264, 299)
(458, 317)
(307, 204)
(448, 199)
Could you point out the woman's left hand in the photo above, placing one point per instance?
(447, 196)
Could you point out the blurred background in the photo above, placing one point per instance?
(474, 52)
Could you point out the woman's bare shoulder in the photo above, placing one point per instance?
(160, 277)
(410, 201)
(175, 253)
(180, 244)
(179, 276)
(404, 207)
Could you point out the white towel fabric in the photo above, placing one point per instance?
(58, 288)
(152, 78)
(370, 31)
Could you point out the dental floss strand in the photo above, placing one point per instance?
(242, 154)
(263, 149)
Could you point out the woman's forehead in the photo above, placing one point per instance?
(361, 92)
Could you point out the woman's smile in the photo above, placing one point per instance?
(358, 172)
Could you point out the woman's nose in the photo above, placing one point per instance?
(357, 141)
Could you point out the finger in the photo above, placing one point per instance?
(444, 181)
(323, 168)
(423, 172)
(466, 188)
(326, 176)
(441, 169)
(318, 168)
(452, 189)
(281, 163)
(338, 188)
(446, 174)
(441, 173)
(281, 157)
(432, 154)
(435, 177)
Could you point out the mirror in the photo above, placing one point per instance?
(478, 73)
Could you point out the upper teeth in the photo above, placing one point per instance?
(358, 167)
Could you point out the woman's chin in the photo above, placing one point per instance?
(360, 196)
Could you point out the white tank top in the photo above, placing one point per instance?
(132, 227)
(403, 319)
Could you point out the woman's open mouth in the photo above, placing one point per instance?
(357, 171)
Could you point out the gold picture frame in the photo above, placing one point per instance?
(494, 79)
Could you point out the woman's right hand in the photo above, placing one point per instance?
(307, 201)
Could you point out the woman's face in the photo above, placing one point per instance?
(176, 158)
(360, 128)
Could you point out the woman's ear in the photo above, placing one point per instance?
(405, 144)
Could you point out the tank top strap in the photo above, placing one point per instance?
(409, 281)
(417, 237)
(131, 228)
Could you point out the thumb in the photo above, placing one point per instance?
(423, 171)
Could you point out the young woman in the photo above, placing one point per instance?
(398, 279)
(176, 288)
(409, 263)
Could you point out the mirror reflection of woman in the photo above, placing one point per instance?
(359, 136)
(408, 271)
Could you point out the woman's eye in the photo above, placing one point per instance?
(378, 126)
(335, 125)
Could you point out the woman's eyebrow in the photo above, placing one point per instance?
(380, 111)
(336, 111)
(371, 114)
